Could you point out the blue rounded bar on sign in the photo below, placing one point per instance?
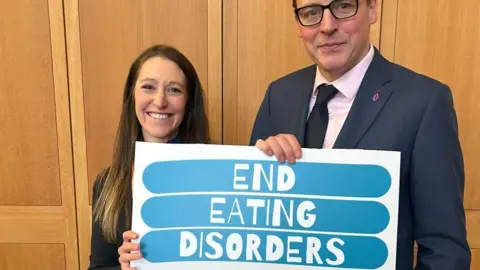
(342, 216)
(325, 179)
(336, 251)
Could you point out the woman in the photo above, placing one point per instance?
(162, 102)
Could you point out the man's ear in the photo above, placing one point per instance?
(299, 33)
(372, 9)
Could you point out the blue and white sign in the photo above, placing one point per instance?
(232, 207)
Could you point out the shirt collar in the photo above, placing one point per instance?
(349, 83)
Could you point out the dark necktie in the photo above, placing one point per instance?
(318, 121)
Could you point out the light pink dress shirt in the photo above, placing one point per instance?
(340, 104)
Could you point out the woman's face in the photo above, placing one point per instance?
(160, 99)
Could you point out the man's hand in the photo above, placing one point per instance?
(285, 147)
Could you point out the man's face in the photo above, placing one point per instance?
(337, 45)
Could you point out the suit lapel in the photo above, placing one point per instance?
(301, 99)
(371, 97)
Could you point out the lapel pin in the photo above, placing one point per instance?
(376, 96)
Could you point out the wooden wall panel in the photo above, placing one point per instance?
(32, 256)
(473, 228)
(260, 45)
(475, 259)
(376, 29)
(104, 37)
(29, 171)
(29, 224)
(36, 177)
(388, 25)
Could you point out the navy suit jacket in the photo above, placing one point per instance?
(414, 115)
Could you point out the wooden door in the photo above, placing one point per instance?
(37, 201)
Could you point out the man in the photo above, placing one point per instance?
(354, 98)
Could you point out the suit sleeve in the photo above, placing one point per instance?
(437, 189)
(261, 127)
(104, 255)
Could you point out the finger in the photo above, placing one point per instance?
(120, 250)
(297, 148)
(276, 148)
(124, 265)
(128, 257)
(287, 148)
(129, 235)
(128, 268)
(128, 247)
(262, 145)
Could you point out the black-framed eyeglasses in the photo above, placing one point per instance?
(313, 14)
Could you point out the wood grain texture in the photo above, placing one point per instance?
(473, 228)
(82, 187)
(375, 29)
(32, 256)
(260, 44)
(29, 171)
(230, 70)
(60, 78)
(475, 259)
(32, 224)
(388, 25)
(214, 85)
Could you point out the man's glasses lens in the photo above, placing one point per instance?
(341, 9)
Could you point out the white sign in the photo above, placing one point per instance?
(232, 207)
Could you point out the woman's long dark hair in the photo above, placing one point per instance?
(117, 187)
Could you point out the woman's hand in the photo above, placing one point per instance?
(129, 251)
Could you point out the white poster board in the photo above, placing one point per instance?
(233, 207)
